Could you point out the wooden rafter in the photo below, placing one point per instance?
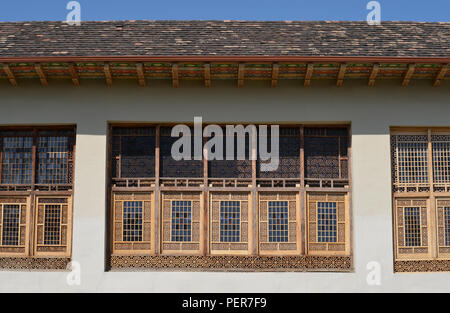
(12, 79)
(275, 72)
(175, 77)
(108, 76)
(140, 74)
(440, 75)
(409, 74)
(341, 75)
(374, 74)
(241, 75)
(309, 73)
(41, 74)
(207, 75)
(74, 74)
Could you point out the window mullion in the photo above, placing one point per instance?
(432, 207)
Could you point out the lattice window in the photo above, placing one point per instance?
(133, 152)
(327, 221)
(11, 225)
(278, 221)
(182, 221)
(326, 153)
(412, 227)
(132, 220)
(52, 154)
(17, 156)
(441, 159)
(230, 221)
(447, 225)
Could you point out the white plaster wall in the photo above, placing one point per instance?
(370, 110)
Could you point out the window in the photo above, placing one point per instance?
(278, 221)
(412, 227)
(36, 181)
(412, 162)
(230, 221)
(132, 221)
(327, 222)
(181, 221)
(11, 223)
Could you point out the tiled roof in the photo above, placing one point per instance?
(224, 38)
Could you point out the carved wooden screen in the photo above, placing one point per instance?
(182, 215)
(133, 223)
(279, 223)
(443, 214)
(17, 157)
(14, 214)
(328, 223)
(411, 217)
(53, 226)
(230, 223)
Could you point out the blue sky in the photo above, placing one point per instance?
(398, 10)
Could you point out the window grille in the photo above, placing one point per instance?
(11, 225)
(441, 162)
(52, 228)
(327, 222)
(52, 154)
(132, 221)
(181, 221)
(412, 162)
(230, 221)
(412, 227)
(278, 221)
(17, 160)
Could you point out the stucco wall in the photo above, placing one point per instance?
(370, 110)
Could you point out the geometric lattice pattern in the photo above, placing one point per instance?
(11, 225)
(181, 221)
(278, 221)
(52, 154)
(52, 228)
(412, 162)
(327, 222)
(441, 162)
(412, 227)
(230, 221)
(447, 225)
(17, 160)
(132, 221)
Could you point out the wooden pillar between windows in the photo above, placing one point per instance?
(432, 216)
(303, 214)
(205, 226)
(157, 214)
(350, 186)
(254, 204)
(33, 208)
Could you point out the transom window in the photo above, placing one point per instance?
(11, 220)
(230, 221)
(447, 225)
(182, 221)
(327, 222)
(132, 221)
(278, 221)
(412, 227)
(17, 160)
(52, 233)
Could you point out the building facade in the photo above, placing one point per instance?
(88, 176)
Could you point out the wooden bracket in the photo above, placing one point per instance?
(140, 74)
(309, 73)
(374, 74)
(241, 75)
(74, 74)
(10, 74)
(341, 75)
(207, 75)
(108, 76)
(175, 78)
(409, 74)
(440, 75)
(41, 74)
(275, 72)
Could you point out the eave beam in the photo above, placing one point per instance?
(275, 72)
(409, 74)
(12, 79)
(241, 75)
(175, 77)
(74, 74)
(108, 76)
(374, 74)
(207, 75)
(140, 74)
(309, 74)
(440, 75)
(341, 75)
(41, 74)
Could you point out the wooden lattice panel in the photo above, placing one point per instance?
(443, 227)
(14, 232)
(328, 224)
(53, 228)
(182, 216)
(412, 228)
(133, 223)
(279, 224)
(225, 239)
